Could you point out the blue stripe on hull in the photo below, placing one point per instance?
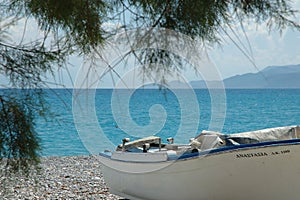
(241, 146)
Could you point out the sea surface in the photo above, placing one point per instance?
(163, 113)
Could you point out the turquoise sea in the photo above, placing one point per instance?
(246, 110)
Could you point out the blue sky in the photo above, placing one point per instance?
(268, 49)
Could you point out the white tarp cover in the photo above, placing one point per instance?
(270, 134)
(264, 135)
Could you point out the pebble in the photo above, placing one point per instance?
(77, 177)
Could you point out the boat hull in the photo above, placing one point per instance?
(259, 172)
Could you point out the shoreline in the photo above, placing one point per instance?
(66, 177)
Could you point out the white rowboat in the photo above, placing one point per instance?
(263, 164)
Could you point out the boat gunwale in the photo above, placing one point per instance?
(226, 149)
(217, 151)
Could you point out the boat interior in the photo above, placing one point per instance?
(204, 142)
(210, 139)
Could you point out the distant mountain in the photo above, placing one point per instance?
(271, 77)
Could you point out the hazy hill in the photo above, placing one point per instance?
(271, 77)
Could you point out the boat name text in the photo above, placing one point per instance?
(262, 154)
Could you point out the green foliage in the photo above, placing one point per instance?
(159, 63)
(277, 14)
(25, 66)
(190, 17)
(79, 21)
(206, 18)
(19, 143)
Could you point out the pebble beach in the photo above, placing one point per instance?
(77, 177)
